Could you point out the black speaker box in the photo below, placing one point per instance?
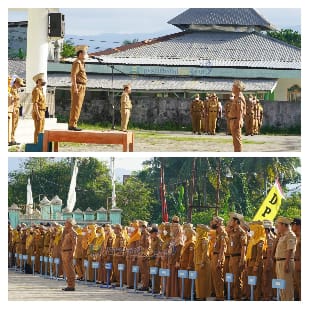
(56, 25)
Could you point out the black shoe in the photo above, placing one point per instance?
(74, 129)
(68, 289)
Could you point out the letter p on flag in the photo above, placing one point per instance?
(271, 204)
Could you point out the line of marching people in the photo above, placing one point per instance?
(243, 249)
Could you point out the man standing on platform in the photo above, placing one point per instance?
(78, 89)
(126, 107)
(69, 241)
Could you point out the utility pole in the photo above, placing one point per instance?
(218, 186)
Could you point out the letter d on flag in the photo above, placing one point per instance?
(270, 206)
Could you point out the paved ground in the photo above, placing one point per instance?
(170, 141)
(24, 287)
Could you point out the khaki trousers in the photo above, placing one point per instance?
(125, 117)
(77, 100)
(15, 119)
(68, 268)
(236, 134)
(38, 125)
(196, 122)
(288, 292)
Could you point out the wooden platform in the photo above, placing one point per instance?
(126, 139)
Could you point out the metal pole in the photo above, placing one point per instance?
(113, 99)
(192, 289)
(218, 186)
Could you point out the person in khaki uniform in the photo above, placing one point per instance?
(143, 255)
(10, 111)
(285, 251)
(196, 111)
(85, 247)
(46, 247)
(154, 260)
(68, 246)
(238, 110)
(174, 250)
(107, 252)
(227, 109)
(92, 251)
(119, 247)
(254, 256)
(187, 257)
(226, 267)
(56, 247)
(249, 117)
(131, 258)
(78, 89)
(125, 107)
(238, 245)
(213, 113)
(29, 245)
(259, 116)
(205, 127)
(202, 262)
(15, 100)
(38, 245)
(78, 256)
(267, 261)
(296, 228)
(39, 105)
(217, 261)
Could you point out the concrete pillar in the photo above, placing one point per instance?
(37, 45)
(14, 215)
(78, 215)
(115, 216)
(102, 214)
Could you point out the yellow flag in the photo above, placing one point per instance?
(270, 206)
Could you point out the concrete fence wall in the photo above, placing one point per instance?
(157, 110)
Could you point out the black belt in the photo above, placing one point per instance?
(65, 250)
(227, 256)
(235, 254)
(215, 253)
(233, 118)
(283, 259)
(296, 259)
(84, 84)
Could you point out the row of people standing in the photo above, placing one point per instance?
(205, 114)
(239, 248)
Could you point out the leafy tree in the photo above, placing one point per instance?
(287, 35)
(135, 198)
(68, 49)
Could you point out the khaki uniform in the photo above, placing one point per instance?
(196, 111)
(238, 110)
(119, 247)
(259, 116)
(163, 257)
(77, 99)
(227, 109)
(38, 98)
(187, 263)
(286, 242)
(131, 261)
(172, 286)
(78, 256)
(249, 118)
(143, 255)
(15, 112)
(202, 266)
(92, 256)
(268, 264)
(125, 109)
(38, 245)
(297, 273)
(29, 247)
(217, 263)
(10, 115)
(155, 249)
(205, 123)
(213, 115)
(107, 257)
(237, 240)
(256, 261)
(69, 240)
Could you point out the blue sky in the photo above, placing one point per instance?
(140, 20)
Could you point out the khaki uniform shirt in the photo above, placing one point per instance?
(238, 109)
(220, 244)
(286, 242)
(237, 240)
(144, 244)
(69, 240)
(125, 101)
(15, 98)
(155, 247)
(39, 98)
(197, 106)
(78, 70)
(119, 245)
